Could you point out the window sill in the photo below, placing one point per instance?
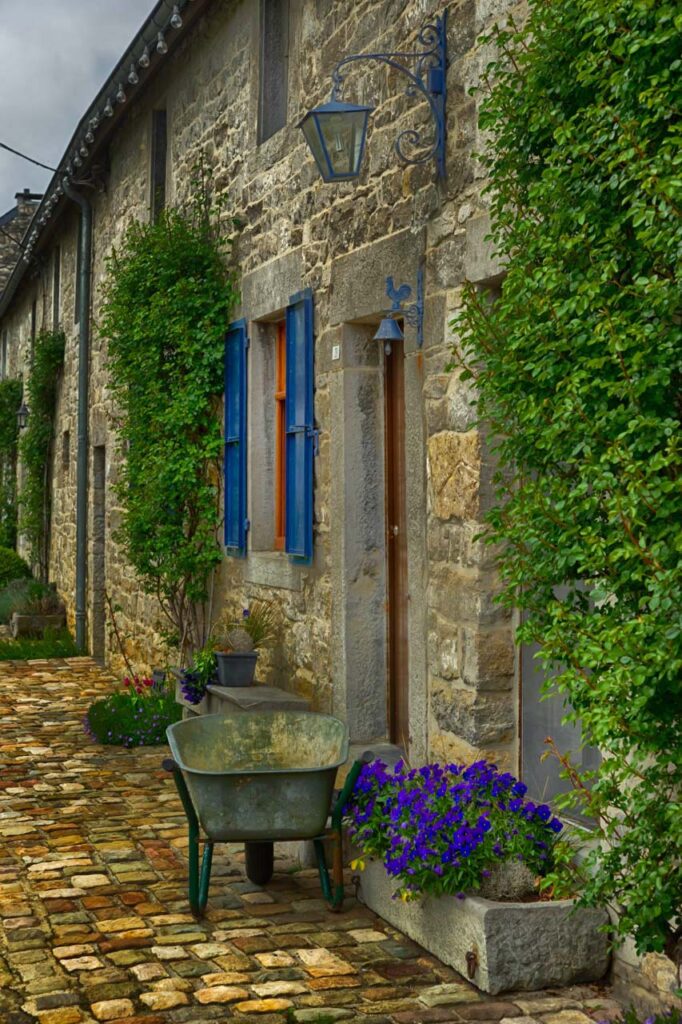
(272, 569)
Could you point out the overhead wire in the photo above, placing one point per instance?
(23, 156)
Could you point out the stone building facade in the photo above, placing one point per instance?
(419, 654)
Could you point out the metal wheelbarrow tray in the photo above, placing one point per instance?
(260, 777)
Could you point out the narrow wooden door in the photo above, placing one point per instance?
(396, 546)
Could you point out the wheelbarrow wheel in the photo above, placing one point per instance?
(260, 862)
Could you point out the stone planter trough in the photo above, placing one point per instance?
(35, 625)
(525, 946)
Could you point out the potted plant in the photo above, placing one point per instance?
(193, 682)
(461, 862)
(236, 648)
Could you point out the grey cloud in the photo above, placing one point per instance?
(54, 56)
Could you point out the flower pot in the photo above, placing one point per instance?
(236, 668)
(500, 946)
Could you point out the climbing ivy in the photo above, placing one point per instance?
(167, 296)
(35, 447)
(10, 399)
(578, 374)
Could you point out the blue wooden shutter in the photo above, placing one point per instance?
(301, 436)
(236, 344)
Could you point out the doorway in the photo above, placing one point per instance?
(98, 553)
(396, 545)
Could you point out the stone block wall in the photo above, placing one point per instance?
(342, 241)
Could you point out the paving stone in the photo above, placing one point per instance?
(488, 1011)
(163, 1000)
(220, 994)
(312, 1015)
(111, 1009)
(444, 995)
(263, 1005)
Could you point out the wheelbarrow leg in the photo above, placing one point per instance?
(198, 879)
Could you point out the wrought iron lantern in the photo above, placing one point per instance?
(22, 415)
(336, 131)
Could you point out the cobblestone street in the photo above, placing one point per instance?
(95, 919)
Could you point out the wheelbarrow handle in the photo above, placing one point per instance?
(198, 878)
(336, 898)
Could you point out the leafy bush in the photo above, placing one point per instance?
(30, 597)
(12, 566)
(56, 643)
(577, 368)
(135, 716)
(167, 300)
(35, 446)
(441, 830)
(10, 399)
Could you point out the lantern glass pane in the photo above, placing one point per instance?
(313, 138)
(343, 135)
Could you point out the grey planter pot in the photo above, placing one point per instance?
(236, 669)
(527, 946)
(35, 625)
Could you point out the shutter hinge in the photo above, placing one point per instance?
(247, 525)
(247, 342)
(315, 434)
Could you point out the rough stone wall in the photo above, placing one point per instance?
(342, 241)
(14, 225)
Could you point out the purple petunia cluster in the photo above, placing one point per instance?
(440, 829)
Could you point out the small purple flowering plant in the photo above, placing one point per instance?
(440, 829)
(136, 715)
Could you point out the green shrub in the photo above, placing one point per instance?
(12, 597)
(136, 716)
(57, 643)
(12, 566)
(577, 371)
(35, 446)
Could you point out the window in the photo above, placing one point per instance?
(159, 157)
(274, 67)
(280, 434)
(56, 271)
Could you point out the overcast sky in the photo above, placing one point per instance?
(54, 56)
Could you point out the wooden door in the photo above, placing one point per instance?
(396, 546)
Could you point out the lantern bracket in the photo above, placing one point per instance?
(428, 79)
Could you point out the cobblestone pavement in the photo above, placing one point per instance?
(95, 919)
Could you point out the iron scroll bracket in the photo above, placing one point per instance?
(428, 79)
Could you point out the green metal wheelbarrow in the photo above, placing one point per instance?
(261, 777)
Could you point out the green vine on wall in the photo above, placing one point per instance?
(168, 296)
(578, 369)
(10, 399)
(36, 446)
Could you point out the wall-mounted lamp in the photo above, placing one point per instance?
(22, 415)
(336, 131)
(389, 329)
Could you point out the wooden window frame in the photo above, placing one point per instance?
(280, 434)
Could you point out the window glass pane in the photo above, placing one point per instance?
(274, 67)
